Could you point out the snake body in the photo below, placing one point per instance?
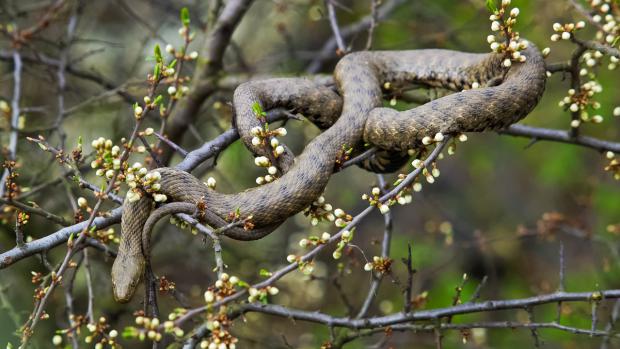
(355, 115)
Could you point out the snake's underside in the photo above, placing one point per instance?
(351, 115)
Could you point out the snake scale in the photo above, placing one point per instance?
(351, 115)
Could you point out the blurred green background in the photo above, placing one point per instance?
(493, 192)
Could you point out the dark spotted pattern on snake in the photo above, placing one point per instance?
(504, 97)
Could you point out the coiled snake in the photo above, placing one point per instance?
(505, 96)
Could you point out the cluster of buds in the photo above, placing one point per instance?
(306, 267)
(107, 159)
(429, 175)
(320, 210)
(614, 165)
(314, 240)
(180, 53)
(579, 101)
(98, 334)
(566, 31)
(148, 328)
(345, 238)
(138, 177)
(606, 14)
(380, 264)
(404, 197)
(452, 146)
(220, 337)
(503, 21)
(261, 294)
(342, 218)
(264, 137)
(105, 236)
(373, 200)
(223, 287)
(427, 140)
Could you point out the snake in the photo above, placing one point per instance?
(488, 95)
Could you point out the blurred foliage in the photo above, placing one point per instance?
(491, 191)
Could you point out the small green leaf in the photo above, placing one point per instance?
(243, 284)
(258, 110)
(172, 64)
(491, 6)
(130, 332)
(264, 273)
(157, 71)
(157, 51)
(158, 99)
(185, 16)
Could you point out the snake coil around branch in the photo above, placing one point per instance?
(354, 115)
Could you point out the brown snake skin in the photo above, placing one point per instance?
(505, 96)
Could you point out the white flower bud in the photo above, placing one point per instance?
(255, 141)
(368, 266)
(57, 340)
(555, 37)
(546, 51)
(82, 202)
(346, 234)
(557, 27)
(505, 3)
(279, 150)
(291, 258)
(575, 123)
(160, 197)
(273, 290)
(597, 119)
(325, 236)
(617, 111)
(426, 140)
(495, 26)
(610, 155)
(384, 208)
(272, 170)
(256, 130)
(507, 63)
(169, 48)
(327, 207)
(261, 161)
(260, 180)
(438, 137)
(417, 163)
(376, 191)
(109, 174)
(339, 213)
(138, 110)
(269, 178)
(211, 182)
(491, 39)
(494, 46)
(172, 90)
(193, 55)
(281, 131)
(274, 142)
(580, 25)
(574, 107)
(565, 35)
(514, 12)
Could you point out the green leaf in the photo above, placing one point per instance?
(158, 99)
(157, 51)
(491, 6)
(172, 64)
(129, 332)
(258, 110)
(264, 273)
(157, 71)
(185, 16)
(243, 284)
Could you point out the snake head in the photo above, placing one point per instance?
(126, 274)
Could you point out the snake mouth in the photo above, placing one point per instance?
(126, 274)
